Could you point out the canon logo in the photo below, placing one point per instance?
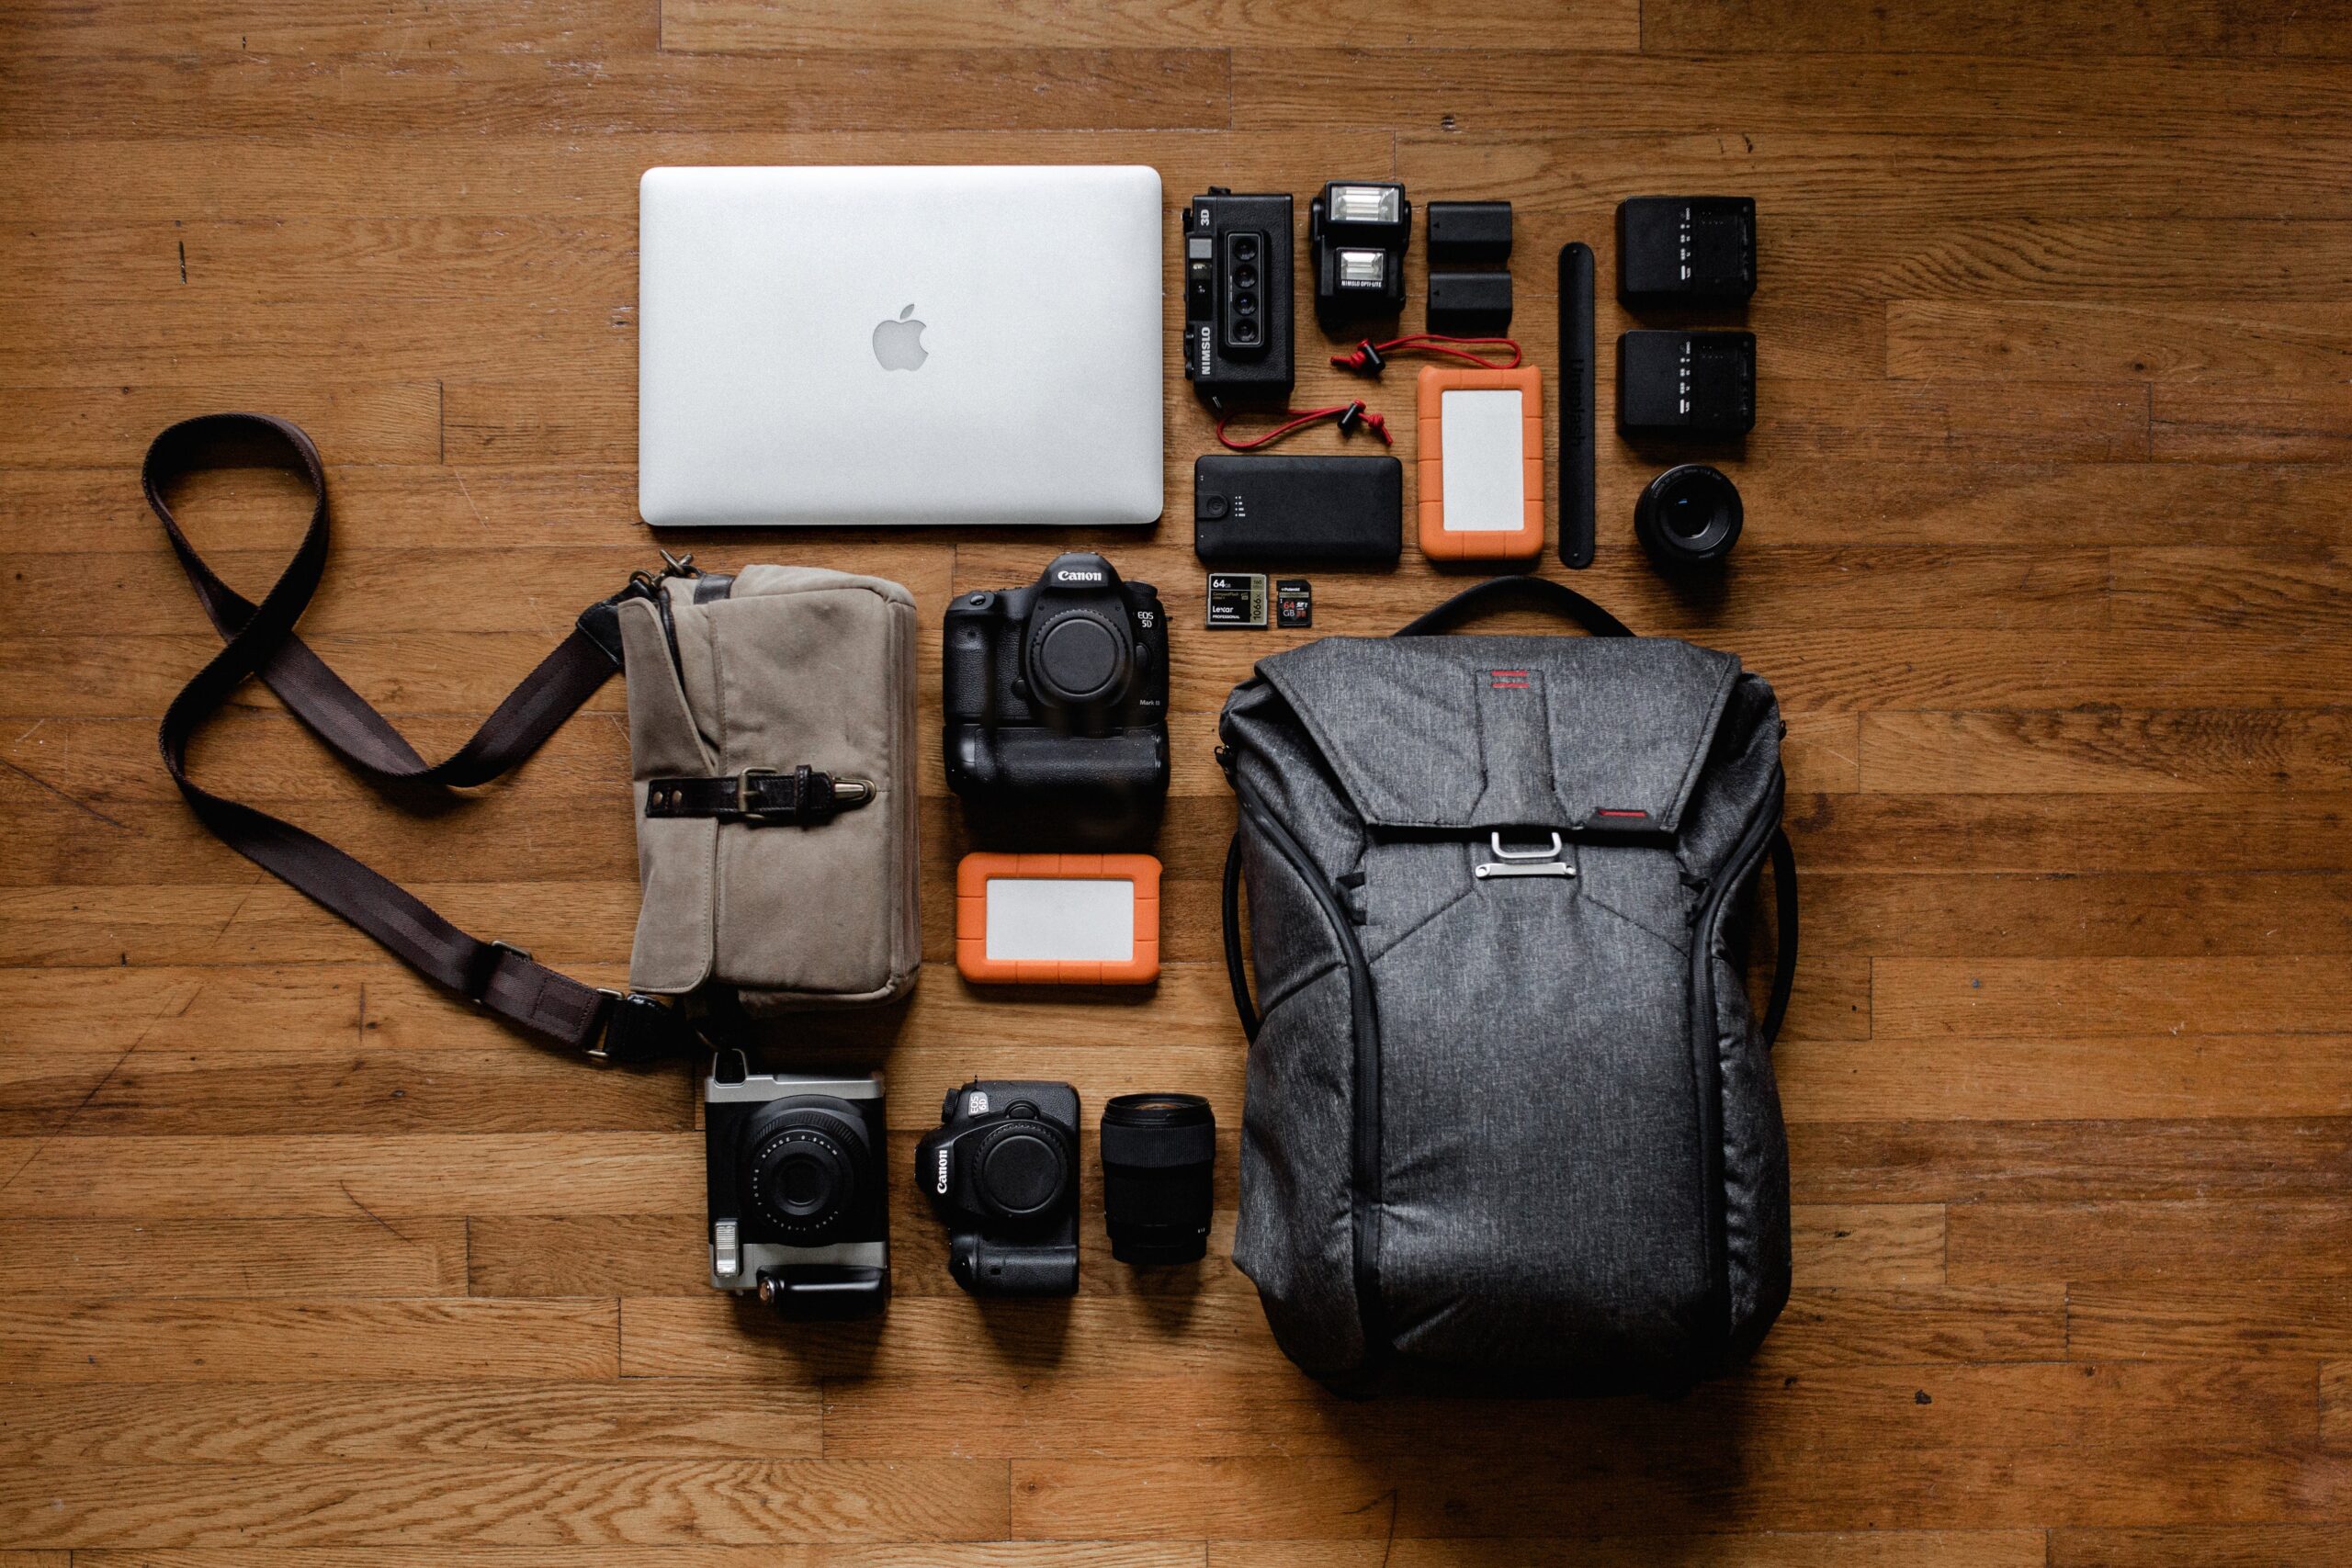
(1078, 577)
(943, 1170)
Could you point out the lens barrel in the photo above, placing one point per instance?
(1689, 516)
(1158, 1160)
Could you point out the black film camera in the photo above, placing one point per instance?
(1056, 700)
(1238, 294)
(1003, 1172)
(797, 1211)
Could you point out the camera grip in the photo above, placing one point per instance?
(992, 1269)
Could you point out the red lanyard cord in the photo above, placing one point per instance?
(1348, 416)
(1369, 357)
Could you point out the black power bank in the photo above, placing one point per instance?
(1339, 510)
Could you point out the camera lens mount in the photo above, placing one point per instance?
(1020, 1168)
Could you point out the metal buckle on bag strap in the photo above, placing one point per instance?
(816, 795)
(639, 1029)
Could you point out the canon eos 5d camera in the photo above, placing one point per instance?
(1057, 704)
(797, 1212)
(1003, 1172)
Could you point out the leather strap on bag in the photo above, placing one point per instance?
(259, 640)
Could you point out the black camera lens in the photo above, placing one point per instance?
(1244, 331)
(802, 1176)
(1159, 1158)
(1245, 277)
(1245, 247)
(1689, 516)
(1245, 304)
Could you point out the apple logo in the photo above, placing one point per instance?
(898, 344)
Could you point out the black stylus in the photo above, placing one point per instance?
(1575, 403)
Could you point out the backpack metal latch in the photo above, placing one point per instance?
(1545, 862)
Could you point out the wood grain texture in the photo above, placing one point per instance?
(303, 1266)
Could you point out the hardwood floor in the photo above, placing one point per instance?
(2048, 550)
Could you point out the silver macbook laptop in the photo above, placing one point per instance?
(882, 345)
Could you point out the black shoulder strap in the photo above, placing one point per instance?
(1525, 593)
(1784, 934)
(260, 640)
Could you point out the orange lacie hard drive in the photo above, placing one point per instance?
(1058, 920)
(1481, 456)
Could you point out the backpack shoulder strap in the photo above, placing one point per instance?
(1524, 592)
(259, 640)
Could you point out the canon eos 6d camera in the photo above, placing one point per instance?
(797, 1212)
(1056, 703)
(1003, 1172)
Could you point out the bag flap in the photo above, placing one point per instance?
(1485, 732)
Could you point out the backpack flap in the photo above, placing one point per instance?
(1479, 733)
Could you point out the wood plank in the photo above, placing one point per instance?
(2085, 834)
(710, 1335)
(2219, 421)
(358, 1256)
(47, 1339)
(440, 173)
(2238, 27)
(2121, 1241)
(1780, 1549)
(77, 426)
(2106, 340)
(2156, 1075)
(2070, 1161)
(2199, 1546)
(507, 93)
(1573, 181)
(347, 1419)
(2167, 751)
(503, 1503)
(1521, 91)
(1887, 1326)
(707, 1554)
(392, 1176)
(321, 27)
(2189, 1320)
(766, 26)
(2063, 915)
(2068, 998)
(2038, 1405)
(1704, 1486)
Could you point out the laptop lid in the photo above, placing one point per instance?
(900, 345)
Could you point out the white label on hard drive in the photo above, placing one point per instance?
(1072, 919)
(1484, 455)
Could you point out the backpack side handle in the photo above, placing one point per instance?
(1528, 592)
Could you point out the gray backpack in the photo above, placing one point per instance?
(1510, 1115)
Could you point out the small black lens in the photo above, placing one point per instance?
(1159, 1161)
(1245, 277)
(1244, 331)
(1245, 247)
(1689, 516)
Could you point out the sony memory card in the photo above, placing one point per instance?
(1238, 600)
